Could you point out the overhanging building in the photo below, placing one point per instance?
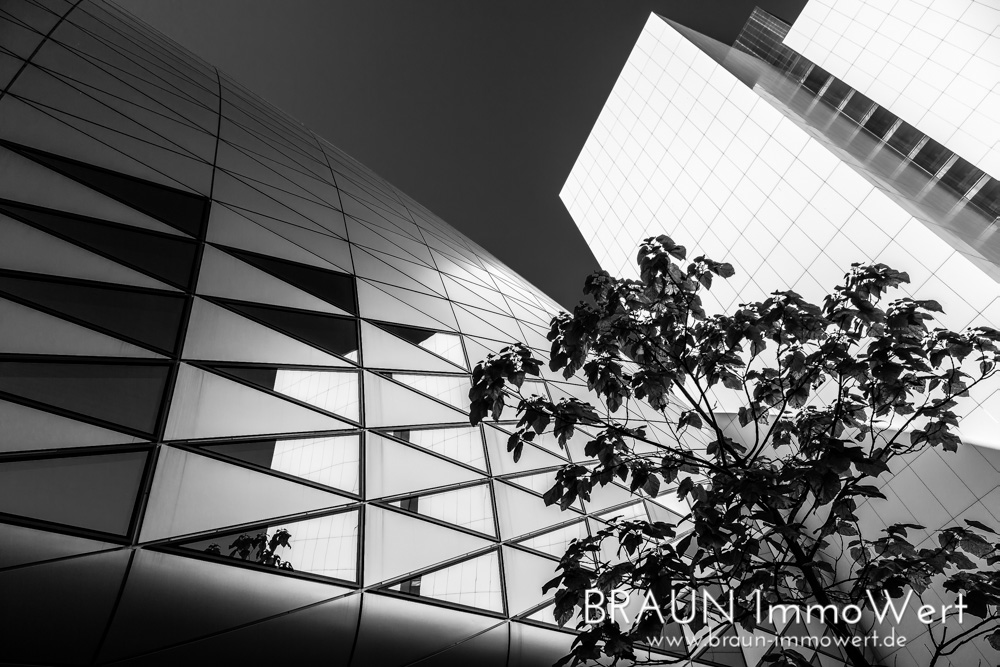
(802, 149)
(218, 330)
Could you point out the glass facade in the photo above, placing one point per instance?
(776, 169)
(234, 372)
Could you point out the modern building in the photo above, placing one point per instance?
(234, 371)
(859, 134)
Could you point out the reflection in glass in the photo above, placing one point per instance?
(451, 389)
(540, 483)
(333, 391)
(338, 335)
(333, 461)
(461, 444)
(442, 344)
(473, 583)
(471, 507)
(326, 546)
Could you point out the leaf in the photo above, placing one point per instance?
(980, 526)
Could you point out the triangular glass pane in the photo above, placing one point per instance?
(447, 345)
(28, 429)
(464, 444)
(338, 335)
(217, 334)
(22, 546)
(527, 575)
(540, 483)
(557, 541)
(179, 209)
(390, 404)
(205, 405)
(149, 318)
(92, 492)
(522, 513)
(390, 466)
(233, 228)
(397, 543)
(193, 493)
(169, 258)
(451, 389)
(333, 287)
(383, 350)
(375, 303)
(439, 310)
(29, 331)
(325, 546)
(128, 395)
(223, 275)
(502, 461)
(331, 461)
(472, 583)
(470, 507)
(333, 391)
(31, 250)
(27, 181)
(387, 269)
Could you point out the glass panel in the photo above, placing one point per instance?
(988, 197)
(166, 257)
(836, 93)
(816, 80)
(179, 209)
(338, 335)
(961, 176)
(333, 391)
(474, 583)
(326, 546)
(93, 492)
(442, 344)
(556, 542)
(331, 461)
(880, 121)
(391, 465)
(932, 156)
(448, 388)
(461, 444)
(391, 404)
(150, 318)
(904, 138)
(127, 395)
(337, 288)
(471, 507)
(857, 107)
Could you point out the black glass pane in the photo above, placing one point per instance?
(880, 122)
(988, 197)
(836, 92)
(259, 452)
(336, 288)
(126, 395)
(816, 80)
(410, 334)
(905, 138)
(262, 377)
(185, 211)
(932, 156)
(333, 334)
(168, 258)
(93, 492)
(152, 319)
(961, 176)
(857, 107)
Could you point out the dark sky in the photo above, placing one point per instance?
(476, 109)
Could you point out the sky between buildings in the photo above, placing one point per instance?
(476, 109)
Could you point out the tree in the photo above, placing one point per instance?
(260, 548)
(831, 397)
